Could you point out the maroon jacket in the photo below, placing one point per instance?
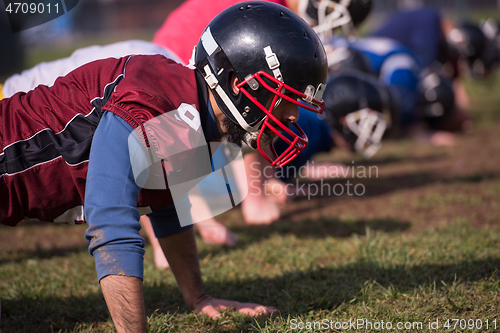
(46, 134)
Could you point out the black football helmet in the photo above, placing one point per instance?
(275, 55)
(327, 15)
(469, 42)
(491, 30)
(360, 108)
(341, 58)
(491, 57)
(436, 98)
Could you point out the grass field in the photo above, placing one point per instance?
(420, 249)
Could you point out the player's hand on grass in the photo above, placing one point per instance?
(213, 307)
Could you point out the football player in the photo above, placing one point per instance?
(448, 50)
(69, 151)
(325, 16)
(181, 42)
(361, 110)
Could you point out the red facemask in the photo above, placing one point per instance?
(298, 142)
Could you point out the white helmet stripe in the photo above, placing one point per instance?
(208, 41)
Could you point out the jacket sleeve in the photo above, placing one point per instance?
(111, 202)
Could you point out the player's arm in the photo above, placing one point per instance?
(110, 210)
(178, 244)
(181, 253)
(125, 300)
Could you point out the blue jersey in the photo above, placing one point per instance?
(419, 30)
(318, 132)
(395, 65)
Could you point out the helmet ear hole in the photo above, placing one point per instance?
(234, 83)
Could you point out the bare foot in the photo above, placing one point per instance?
(278, 191)
(436, 138)
(212, 232)
(159, 257)
(259, 210)
(160, 260)
(442, 139)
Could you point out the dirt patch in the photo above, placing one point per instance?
(423, 185)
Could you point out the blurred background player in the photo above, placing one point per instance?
(361, 110)
(327, 16)
(446, 51)
(47, 72)
(395, 65)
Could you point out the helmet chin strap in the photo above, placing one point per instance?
(213, 83)
(251, 139)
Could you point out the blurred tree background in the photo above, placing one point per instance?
(102, 22)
